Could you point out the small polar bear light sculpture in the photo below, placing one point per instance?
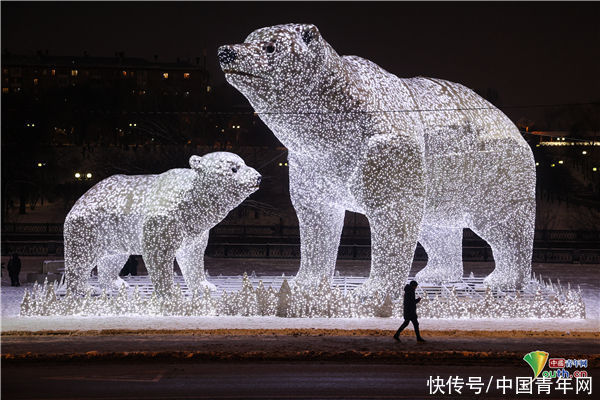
(422, 158)
(161, 217)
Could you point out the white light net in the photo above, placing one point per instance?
(422, 158)
(161, 217)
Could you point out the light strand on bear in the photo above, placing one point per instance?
(355, 143)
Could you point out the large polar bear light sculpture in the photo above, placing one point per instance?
(161, 217)
(422, 158)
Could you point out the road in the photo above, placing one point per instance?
(189, 380)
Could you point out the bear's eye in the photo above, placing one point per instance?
(270, 48)
(307, 36)
(234, 170)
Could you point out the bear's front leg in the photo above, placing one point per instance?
(319, 219)
(160, 238)
(393, 194)
(320, 231)
(190, 257)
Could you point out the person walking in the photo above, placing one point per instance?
(14, 268)
(410, 311)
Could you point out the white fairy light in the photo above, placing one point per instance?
(422, 158)
(161, 217)
(307, 301)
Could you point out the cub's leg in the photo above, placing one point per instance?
(511, 241)
(159, 238)
(108, 271)
(444, 252)
(190, 257)
(393, 181)
(81, 253)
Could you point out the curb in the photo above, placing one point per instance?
(393, 357)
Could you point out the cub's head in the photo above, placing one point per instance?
(275, 62)
(226, 176)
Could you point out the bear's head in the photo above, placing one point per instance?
(278, 64)
(227, 176)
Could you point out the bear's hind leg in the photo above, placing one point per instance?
(444, 252)
(108, 271)
(511, 241)
(81, 254)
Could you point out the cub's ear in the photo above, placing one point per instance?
(196, 162)
(310, 34)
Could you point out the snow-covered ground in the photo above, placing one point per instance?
(585, 276)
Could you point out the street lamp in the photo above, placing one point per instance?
(77, 175)
(88, 175)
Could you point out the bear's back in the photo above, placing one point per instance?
(448, 117)
(115, 195)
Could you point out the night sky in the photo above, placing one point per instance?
(532, 53)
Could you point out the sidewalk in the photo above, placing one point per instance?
(464, 348)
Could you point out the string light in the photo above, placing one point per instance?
(425, 176)
(161, 217)
(540, 300)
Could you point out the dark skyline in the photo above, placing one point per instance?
(532, 53)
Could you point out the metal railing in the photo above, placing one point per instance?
(241, 230)
(345, 252)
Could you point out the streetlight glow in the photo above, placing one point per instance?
(77, 175)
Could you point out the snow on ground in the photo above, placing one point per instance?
(585, 276)
(226, 322)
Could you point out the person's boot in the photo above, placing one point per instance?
(418, 334)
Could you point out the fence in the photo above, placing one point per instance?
(276, 231)
(345, 252)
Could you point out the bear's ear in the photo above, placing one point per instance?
(310, 34)
(196, 162)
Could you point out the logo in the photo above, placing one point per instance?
(537, 361)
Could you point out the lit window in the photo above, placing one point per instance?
(553, 165)
(186, 75)
(40, 164)
(208, 89)
(74, 72)
(4, 90)
(594, 169)
(537, 164)
(36, 81)
(124, 73)
(560, 162)
(584, 152)
(88, 175)
(77, 175)
(165, 75)
(53, 72)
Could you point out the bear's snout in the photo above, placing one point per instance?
(226, 55)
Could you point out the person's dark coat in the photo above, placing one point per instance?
(410, 303)
(14, 266)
